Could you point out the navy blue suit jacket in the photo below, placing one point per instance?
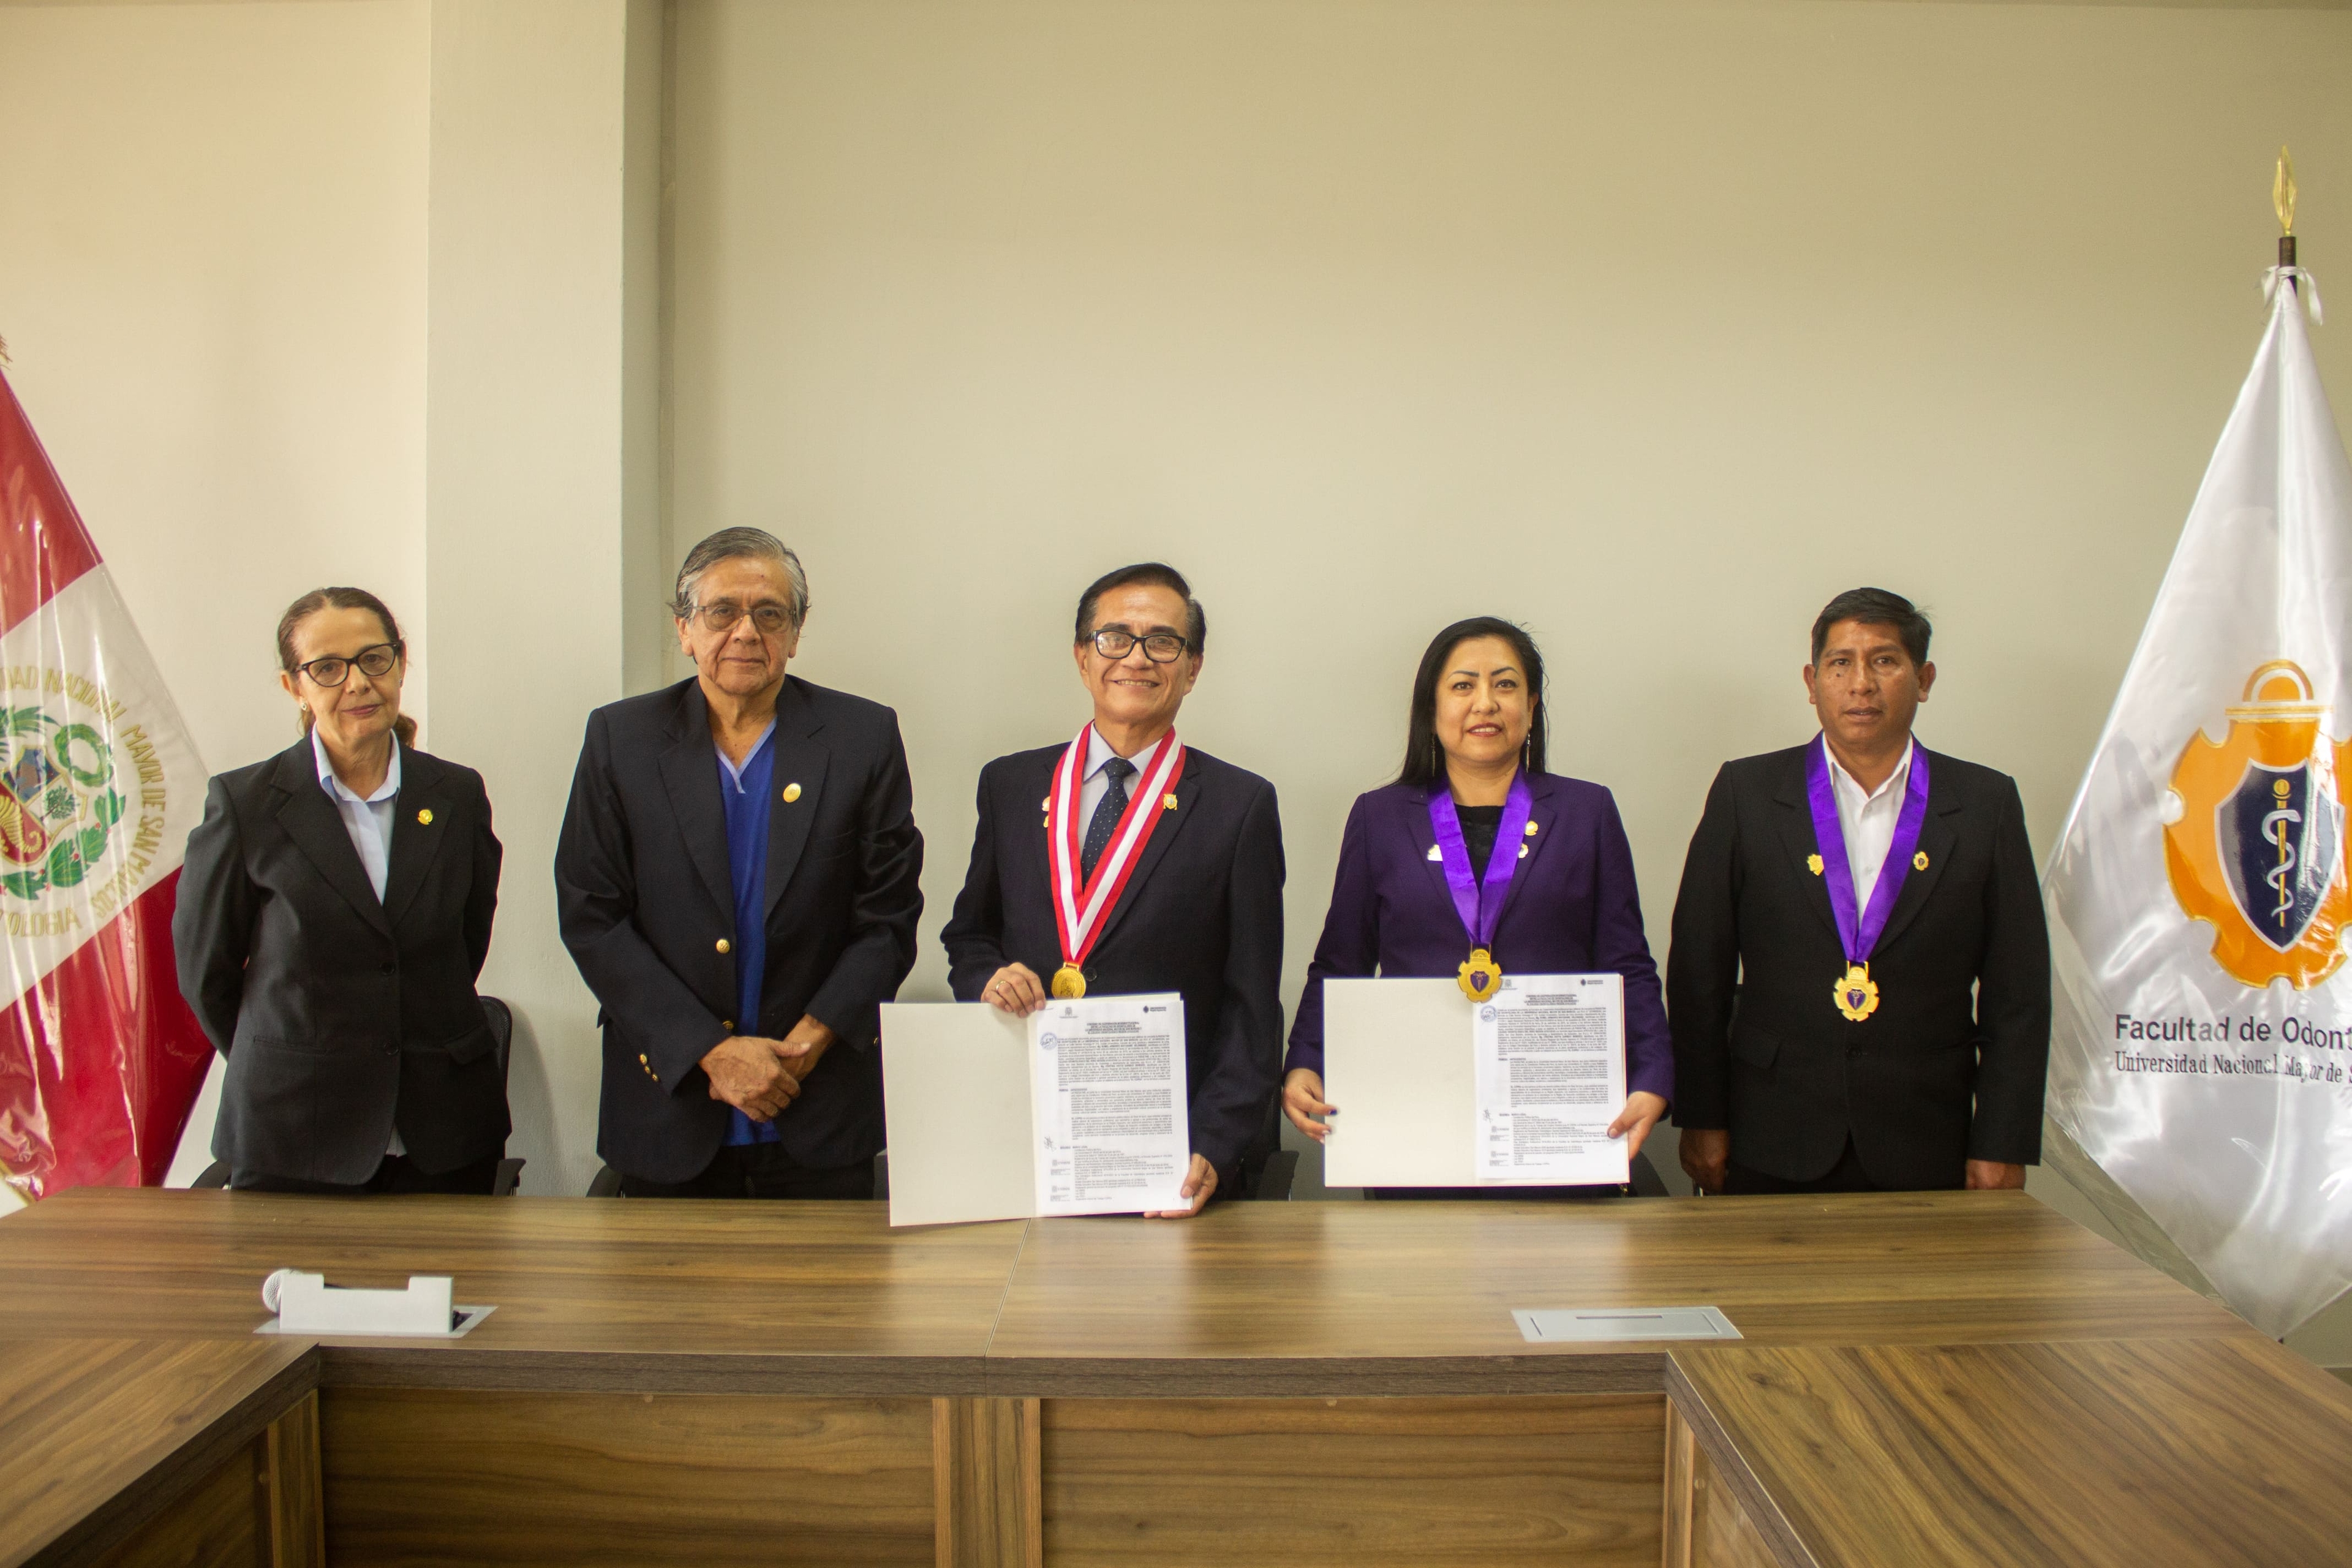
(1201, 914)
(1573, 908)
(646, 902)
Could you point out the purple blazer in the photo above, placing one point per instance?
(1572, 909)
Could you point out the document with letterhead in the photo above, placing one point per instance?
(1079, 1109)
(1433, 1093)
(1114, 1134)
(1550, 1051)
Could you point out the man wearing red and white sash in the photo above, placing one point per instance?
(1124, 861)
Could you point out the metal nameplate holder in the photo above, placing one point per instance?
(1554, 1325)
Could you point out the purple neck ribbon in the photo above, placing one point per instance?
(1860, 931)
(1481, 907)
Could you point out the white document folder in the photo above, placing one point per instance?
(1397, 1063)
(1401, 1061)
(955, 1084)
(1077, 1109)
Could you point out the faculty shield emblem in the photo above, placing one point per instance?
(2280, 833)
(2257, 847)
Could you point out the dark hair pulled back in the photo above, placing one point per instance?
(319, 599)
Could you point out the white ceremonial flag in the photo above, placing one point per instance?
(2202, 1052)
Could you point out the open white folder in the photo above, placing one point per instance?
(1402, 1060)
(1079, 1109)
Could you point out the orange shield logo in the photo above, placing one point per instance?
(2257, 851)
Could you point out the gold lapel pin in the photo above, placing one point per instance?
(1919, 861)
(425, 817)
(1813, 864)
(1166, 803)
(791, 792)
(1531, 830)
(1435, 854)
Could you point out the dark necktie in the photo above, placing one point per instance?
(1107, 815)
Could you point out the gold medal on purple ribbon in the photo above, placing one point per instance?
(1857, 994)
(1858, 928)
(1480, 975)
(1480, 902)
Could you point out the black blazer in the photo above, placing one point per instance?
(1201, 914)
(1949, 1069)
(342, 1016)
(647, 904)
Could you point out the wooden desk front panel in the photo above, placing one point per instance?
(1706, 1525)
(127, 1453)
(418, 1476)
(1544, 1481)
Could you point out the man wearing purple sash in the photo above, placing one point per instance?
(1859, 985)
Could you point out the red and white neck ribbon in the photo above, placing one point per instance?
(1079, 911)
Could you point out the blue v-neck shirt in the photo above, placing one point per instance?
(745, 792)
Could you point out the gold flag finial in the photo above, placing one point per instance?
(2283, 191)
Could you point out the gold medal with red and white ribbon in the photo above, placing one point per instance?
(1079, 911)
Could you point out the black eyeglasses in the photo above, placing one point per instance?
(373, 662)
(723, 616)
(1159, 647)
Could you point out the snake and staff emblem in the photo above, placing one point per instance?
(2257, 847)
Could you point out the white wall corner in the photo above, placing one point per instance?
(542, 495)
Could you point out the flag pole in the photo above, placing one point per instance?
(2283, 203)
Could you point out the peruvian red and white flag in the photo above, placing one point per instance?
(99, 784)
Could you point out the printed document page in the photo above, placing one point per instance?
(1550, 1075)
(1108, 1107)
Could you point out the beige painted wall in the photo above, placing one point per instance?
(542, 514)
(1650, 326)
(212, 282)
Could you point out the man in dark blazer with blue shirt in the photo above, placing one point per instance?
(738, 879)
(1200, 910)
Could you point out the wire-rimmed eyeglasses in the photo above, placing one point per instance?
(724, 614)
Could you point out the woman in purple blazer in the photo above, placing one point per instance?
(1476, 722)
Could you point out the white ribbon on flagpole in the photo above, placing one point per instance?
(2308, 289)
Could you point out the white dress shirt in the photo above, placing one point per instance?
(1867, 819)
(1097, 783)
(369, 823)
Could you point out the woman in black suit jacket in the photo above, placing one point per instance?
(334, 911)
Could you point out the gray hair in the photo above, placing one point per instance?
(734, 543)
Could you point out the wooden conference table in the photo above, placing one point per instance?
(1962, 1378)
